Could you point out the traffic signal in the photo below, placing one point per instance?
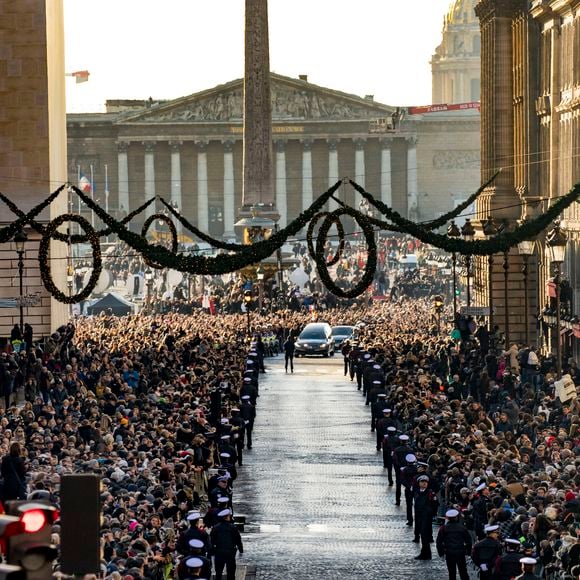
(29, 545)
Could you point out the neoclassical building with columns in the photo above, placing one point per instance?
(189, 150)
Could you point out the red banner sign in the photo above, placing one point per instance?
(443, 108)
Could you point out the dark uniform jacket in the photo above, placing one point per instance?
(453, 538)
(486, 551)
(508, 566)
(225, 537)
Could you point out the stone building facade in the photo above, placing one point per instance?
(456, 63)
(189, 150)
(531, 127)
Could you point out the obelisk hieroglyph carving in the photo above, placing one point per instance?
(257, 163)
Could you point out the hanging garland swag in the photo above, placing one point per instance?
(172, 230)
(44, 262)
(244, 255)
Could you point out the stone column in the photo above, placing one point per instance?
(176, 178)
(412, 186)
(386, 182)
(281, 199)
(123, 170)
(306, 173)
(229, 200)
(150, 175)
(359, 161)
(202, 192)
(332, 170)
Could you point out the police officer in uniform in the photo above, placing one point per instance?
(238, 432)
(454, 543)
(486, 552)
(376, 395)
(480, 509)
(226, 542)
(425, 506)
(390, 441)
(384, 422)
(528, 566)
(248, 412)
(408, 475)
(194, 532)
(399, 462)
(508, 566)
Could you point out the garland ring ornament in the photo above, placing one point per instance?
(44, 262)
(310, 237)
(172, 230)
(371, 264)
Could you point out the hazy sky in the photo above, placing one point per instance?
(135, 49)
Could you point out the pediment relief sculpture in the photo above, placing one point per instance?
(287, 103)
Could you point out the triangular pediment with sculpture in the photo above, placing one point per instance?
(292, 99)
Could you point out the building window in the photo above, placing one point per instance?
(477, 45)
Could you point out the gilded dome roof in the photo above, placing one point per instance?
(461, 12)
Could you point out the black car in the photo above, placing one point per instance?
(316, 338)
(342, 333)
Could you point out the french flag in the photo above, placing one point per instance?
(85, 184)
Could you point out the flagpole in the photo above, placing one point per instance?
(92, 199)
(78, 196)
(107, 192)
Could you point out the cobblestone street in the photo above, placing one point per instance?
(313, 489)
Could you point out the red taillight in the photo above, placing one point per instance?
(33, 521)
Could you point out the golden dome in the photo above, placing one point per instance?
(461, 12)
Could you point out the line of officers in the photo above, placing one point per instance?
(493, 560)
(215, 534)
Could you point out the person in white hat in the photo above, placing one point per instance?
(508, 566)
(486, 552)
(194, 532)
(399, 454)
(528, 566)
(425, 508)
(226, 542)
(454, 544)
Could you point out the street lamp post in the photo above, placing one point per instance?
(247, 303)
(489, 228)
(453, 232)
(556, 240)
(20, 240)
(149, 282)
(468, 233)
(526, 249)
(260, 277)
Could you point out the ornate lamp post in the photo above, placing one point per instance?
(260, 277)
(526, 249)
(20, 240)
(556, 240)
(453, 232)
(468, 233)
(489, 230)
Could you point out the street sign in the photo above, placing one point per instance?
(475, 310)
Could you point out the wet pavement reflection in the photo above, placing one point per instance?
(317, 501)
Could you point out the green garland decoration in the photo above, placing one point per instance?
(8, 232)
(197, 232)
(494, 245)
(75, 238)
(215, 265)
(310, 237)
(370, 266)
(173, 231)
(44, 262)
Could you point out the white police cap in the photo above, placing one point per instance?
(196, 544)
(488, 529)
(194, 515)
(527, 560)
(404, 437)
(410, 458)
(451, 513)
(194, 562)
(224, 513)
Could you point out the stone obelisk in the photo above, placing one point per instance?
(257, 162)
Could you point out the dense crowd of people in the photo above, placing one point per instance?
(161, 406)
(486, 441)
